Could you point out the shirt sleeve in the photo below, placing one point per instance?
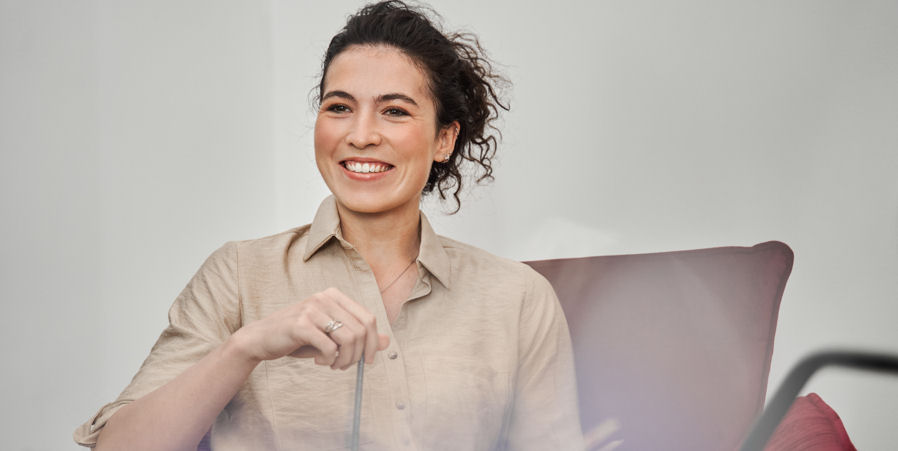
(545, 413)
(203, 316)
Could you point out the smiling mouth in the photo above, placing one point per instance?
(366, 167)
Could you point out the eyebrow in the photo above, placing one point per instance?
(396, 96)
(380, 99)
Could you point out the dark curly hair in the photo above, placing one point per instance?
(463, 84)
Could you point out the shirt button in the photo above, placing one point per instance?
(392, 355)
(400, 405)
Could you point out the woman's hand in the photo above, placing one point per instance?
(298, 330)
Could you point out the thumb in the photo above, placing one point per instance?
(382, 342)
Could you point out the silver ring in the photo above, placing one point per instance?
(332, 326)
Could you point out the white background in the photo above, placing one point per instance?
(137, 137)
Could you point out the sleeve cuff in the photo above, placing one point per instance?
(87, 433)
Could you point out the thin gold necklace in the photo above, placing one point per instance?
(398, 277)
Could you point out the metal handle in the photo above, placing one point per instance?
(357, 413)
(779, 405)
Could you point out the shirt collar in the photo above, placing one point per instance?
(432, 253)
(326, 226)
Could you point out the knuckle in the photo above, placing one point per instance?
(303, 322)
(317, 299)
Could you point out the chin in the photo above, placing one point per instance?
(374, 203)
(369, 203)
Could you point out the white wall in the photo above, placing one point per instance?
(139, 136)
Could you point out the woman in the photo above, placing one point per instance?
(463, 350)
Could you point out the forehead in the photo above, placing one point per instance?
(372, 70)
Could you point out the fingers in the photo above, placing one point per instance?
(299, 330)
(350, 338)
(326, 347)
(383, 342)
(365, 319)
(342, 346)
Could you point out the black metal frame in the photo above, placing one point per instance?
(779, 405)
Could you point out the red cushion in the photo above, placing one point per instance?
(810, 425)
(676, 346)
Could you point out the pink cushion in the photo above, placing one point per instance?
(676, 346)
(810, 425)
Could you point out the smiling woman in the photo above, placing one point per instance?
(377, 136)
(466, 350)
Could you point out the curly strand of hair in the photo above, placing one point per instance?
(475, 143)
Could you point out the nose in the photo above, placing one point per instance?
(364, 132)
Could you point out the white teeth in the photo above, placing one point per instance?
(365, 168)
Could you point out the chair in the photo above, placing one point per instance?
(675, 346)
(822, 430)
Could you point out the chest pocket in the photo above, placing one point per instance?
(465, 399)
(313, 405)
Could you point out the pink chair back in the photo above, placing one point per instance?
(675, 346)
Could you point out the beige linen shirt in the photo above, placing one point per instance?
(479, 356)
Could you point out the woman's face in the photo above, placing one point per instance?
(376, 134)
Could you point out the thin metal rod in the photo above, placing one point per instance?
(357, 413)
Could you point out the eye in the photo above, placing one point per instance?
(337, 108)
(394, 111)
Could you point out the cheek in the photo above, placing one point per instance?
(419, 144)
(326, 137)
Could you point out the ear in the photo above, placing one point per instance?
(446, 141)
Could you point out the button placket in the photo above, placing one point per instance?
(396, 375)
(399, 391)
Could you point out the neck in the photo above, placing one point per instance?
(384, 240)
